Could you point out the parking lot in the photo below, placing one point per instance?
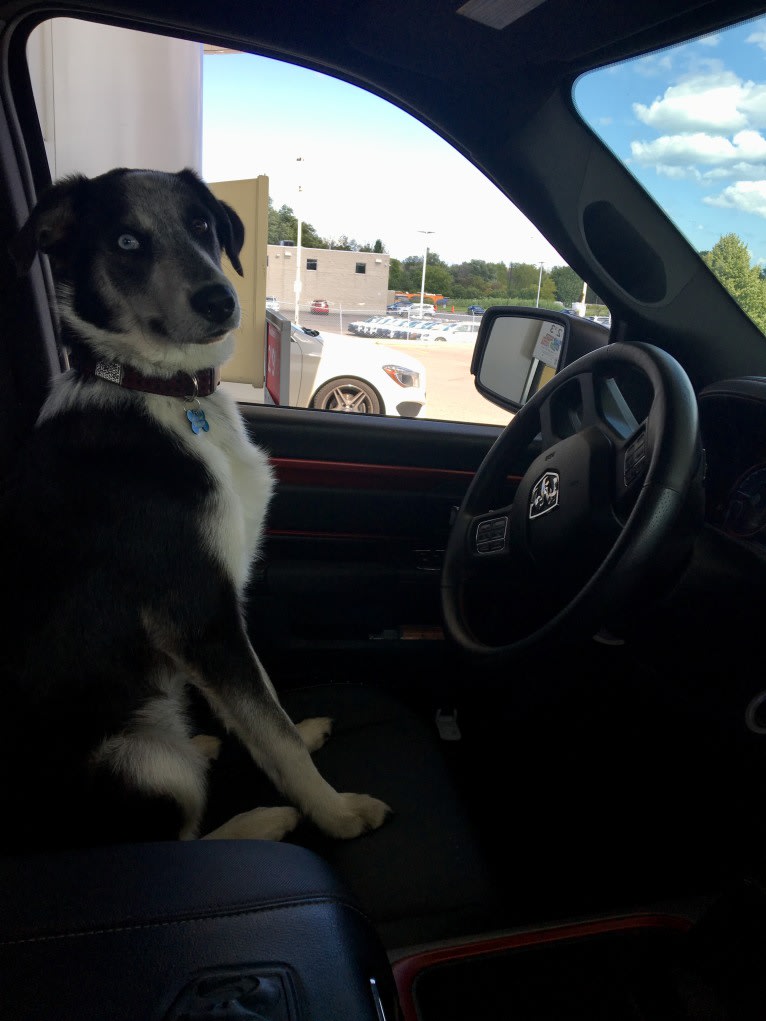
(452, 395)
(451, 392)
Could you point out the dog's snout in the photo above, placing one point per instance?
(215, 302)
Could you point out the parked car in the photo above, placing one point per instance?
(540, 642)
(319, 307)
(399, 307)
(475, 310)
(466, 333)
(415, 329)
(272, 304)
(333, 373)
(416, 309)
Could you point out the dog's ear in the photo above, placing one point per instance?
(235, 237)
(229, 227)
(49, 225)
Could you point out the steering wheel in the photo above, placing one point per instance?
(602, 517)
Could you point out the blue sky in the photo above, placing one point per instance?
(367, 169)
(689, 122)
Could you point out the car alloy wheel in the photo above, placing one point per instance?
(350, 395)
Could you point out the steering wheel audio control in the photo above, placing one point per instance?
(490, 535)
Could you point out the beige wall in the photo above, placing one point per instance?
(250, 199)
(335, 279)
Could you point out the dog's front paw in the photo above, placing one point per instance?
(207, 744)
(356, 814)
(258, 824)
(315, 731)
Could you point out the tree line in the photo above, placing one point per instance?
(496, 282)
(729, 259)
(491, 282)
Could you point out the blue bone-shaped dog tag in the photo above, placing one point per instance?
(197, 420)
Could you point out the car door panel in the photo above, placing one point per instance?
(356, 528)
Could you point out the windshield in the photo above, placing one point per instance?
(689, 123)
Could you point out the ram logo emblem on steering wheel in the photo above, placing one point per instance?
(545, 495)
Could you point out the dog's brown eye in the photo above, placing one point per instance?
(199, 226)
(128, 242)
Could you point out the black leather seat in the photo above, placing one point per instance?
(193, 930)
(203, 929)
(421, 877)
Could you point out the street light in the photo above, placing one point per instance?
(425, 259)
(539, 285)
(297, 284)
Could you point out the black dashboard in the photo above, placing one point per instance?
(733, 423)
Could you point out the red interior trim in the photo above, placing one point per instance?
(407, 969)
(303, 533)
(353, 475)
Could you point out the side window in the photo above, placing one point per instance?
(418, 237)
(687, 122)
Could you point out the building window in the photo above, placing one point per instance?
(311, 264)
(361, 267)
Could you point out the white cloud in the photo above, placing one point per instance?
(653, 65)
(738, 171)
(708, 40)
(759, 38)
(718, 101)
(748, 196)
(678, 173)
(686, 150)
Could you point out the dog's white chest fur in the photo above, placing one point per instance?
(232, 522)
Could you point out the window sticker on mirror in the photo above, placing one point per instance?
(548, 344)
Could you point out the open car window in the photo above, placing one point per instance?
(689, 122)
(383, 245)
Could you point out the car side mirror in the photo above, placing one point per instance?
(519, 349)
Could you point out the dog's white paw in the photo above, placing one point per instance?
(356, 814)
(207, 744)
(258, 824)
(315, 731)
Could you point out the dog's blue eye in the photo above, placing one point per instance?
(128, 242)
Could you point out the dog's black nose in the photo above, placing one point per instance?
(215, 302)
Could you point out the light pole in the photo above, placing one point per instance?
(297, 284)
(425, 259)
(539, 285)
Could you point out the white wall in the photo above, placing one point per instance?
(110, 97)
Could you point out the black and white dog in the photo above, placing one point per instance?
(128, 535)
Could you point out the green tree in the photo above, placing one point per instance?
(474, 278)
(283, 226)
(729, 259)
(439, 279)
(524, 280)
(568, 285)
(412, 267)
(343, 244)
(397, 276)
